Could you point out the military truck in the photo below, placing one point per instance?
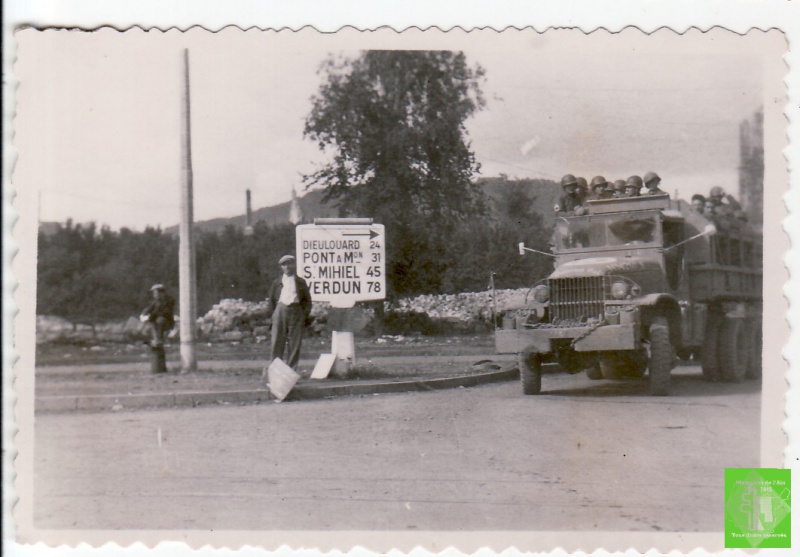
(638, 282)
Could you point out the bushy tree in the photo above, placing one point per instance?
(392, 123)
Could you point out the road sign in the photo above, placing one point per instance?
(342, 262)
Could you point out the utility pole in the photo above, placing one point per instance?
(186, 257)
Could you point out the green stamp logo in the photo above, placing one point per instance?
(758, 507)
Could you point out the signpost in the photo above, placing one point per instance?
(344, 262)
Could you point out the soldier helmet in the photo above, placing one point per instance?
(582, 183)
(599, 181)
(634, 181)
(652, 177)
(716, 191)
(699, 197)
(568, 180)
(619, 185)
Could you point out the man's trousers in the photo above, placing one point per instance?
(287, 333)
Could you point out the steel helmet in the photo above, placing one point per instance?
(619, 185)
(582, 183)
(716, 191)
(568, 180)
(650, 176)
(598, 181)
(634, 181)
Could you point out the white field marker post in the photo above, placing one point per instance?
(344, 262)
(186, 257)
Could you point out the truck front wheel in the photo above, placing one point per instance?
(662, 357)
(530, 372)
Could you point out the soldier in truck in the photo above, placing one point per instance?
(570, 202)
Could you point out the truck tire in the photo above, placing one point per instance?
(662, 357)
(594, 373)
(709, 358)
(754, 353)
(530, 372)
(610, 366)
(630, 363)
(733, 350)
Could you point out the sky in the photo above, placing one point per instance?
(98, 118)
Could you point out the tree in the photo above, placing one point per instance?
(393, 123)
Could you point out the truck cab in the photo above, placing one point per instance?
(636, 281)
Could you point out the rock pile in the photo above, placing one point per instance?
(236, 320)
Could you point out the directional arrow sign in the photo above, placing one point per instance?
(342, 264)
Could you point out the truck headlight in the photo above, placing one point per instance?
(541, 293)
(620, 290)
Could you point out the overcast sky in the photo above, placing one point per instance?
(98, 121)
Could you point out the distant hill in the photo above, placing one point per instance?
(544, 192)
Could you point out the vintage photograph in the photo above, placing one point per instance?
(392, 288)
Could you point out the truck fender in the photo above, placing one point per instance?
(652, 305)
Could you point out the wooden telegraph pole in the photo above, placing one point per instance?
(186, 257)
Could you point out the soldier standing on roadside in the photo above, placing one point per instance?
(651, 181)
(160, 319)
(160, 315)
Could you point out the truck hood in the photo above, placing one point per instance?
(604, 266)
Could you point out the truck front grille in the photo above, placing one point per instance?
(576, 299)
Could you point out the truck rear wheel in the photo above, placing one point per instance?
(754, 353)
(734, 349)
(662, 357)
(709, 357)
(530, 372)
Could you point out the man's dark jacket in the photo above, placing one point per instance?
(162, 308)
(303, 295)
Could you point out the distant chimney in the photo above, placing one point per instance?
(295, 213)
(248, 228)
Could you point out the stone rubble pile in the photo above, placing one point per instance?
(236, 320)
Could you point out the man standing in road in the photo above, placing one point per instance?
(290, 301)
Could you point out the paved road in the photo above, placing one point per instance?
(586, 455)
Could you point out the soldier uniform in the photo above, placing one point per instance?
(570, 202)
(633, 186)
(599, 188)
(651, 180)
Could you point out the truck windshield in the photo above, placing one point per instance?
(617, 230)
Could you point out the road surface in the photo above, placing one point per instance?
(585, 455)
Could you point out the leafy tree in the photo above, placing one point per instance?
(393, 123)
